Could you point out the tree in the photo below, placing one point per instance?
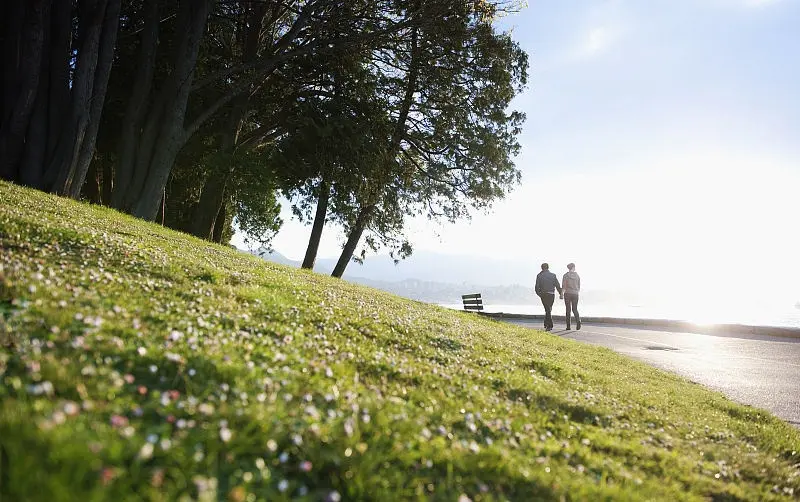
(331, 142)
(57, 58)
(154, 129)
(271, 109)
(370, 111)
(448, 85)
(289, 30)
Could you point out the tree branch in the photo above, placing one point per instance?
(324, 45)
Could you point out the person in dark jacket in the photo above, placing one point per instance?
(546, 284)
(572, 288)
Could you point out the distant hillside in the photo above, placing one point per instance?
(441, 292)
(435, 267)
(379, 272)
(444, 278)
(274, 257)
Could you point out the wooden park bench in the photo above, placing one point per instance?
(472, 302)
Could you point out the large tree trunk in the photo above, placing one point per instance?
(212, 198)
(107, 187)
(360, 225)
(48, 135)
(212, 195)
(319, 223)
(75, 148)
(58, 99)
(102, 73)
(164, 132)
(136, 110)
(24, 44)
(220, 223)
(59, 171)
(31, 167)
(52, 98)
(12, 16)
(91, 189)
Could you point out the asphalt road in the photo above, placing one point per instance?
(757, 370)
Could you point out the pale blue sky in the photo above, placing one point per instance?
(675, 127)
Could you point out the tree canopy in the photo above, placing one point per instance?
(199, 113)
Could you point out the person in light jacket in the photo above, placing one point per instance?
(546, 284)
(571, 283)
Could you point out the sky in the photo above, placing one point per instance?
(661, 149)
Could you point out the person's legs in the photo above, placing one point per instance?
(567, 301)
(544, 304)
(547, 303)
(574, 302)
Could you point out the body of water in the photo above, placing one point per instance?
(756, 315)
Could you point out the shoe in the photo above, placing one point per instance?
(568, 328)
(578, 326)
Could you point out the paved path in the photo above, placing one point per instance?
(757, 370)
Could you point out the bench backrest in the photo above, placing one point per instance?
(472, 302)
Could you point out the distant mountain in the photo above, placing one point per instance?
(433, 267)
(439, 278)
(428, 277)
(441, 292)
(274, 257)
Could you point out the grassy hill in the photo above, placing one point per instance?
(137, 363)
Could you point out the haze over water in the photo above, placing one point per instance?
(762, 316)
(660, 155)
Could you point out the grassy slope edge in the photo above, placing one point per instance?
(139, 363)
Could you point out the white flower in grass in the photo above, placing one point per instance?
(146, 451)
(71, 408)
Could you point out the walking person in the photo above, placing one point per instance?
(546, 284)
(572, 288)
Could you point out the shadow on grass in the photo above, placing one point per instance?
(444, 343)
(544, 368)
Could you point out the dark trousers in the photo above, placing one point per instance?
(547, 302)
(571, 301)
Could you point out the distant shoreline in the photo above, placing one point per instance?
(637, 315)
(685, 326)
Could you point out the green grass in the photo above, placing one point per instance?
(137, 363)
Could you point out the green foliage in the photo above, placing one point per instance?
(149, 365)
(338, 137)
(254, 194)
(445, 85)
(403, 113)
